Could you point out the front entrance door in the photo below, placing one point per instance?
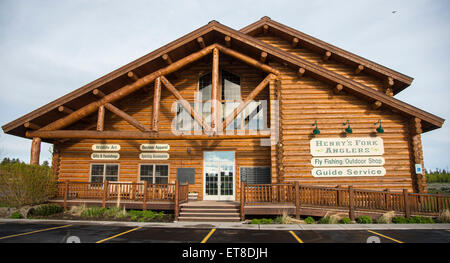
(218, 175)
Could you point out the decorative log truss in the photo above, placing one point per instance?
(55, 130)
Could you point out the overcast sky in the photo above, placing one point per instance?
(49, 48)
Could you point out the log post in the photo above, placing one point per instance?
(415, 131)
(144, 198)
(265, 29)
(351, 203)
(176, 201)
(301, 72)
(338, 196)
(297, 200)
(326, 56)
(215, 90)
(406, 203)
(35, 151)
(338, 88)
(105, 193)
(242, 199)
(66, 193)
(263, 57)
(156, 104)
(101, 118)
(387, 200)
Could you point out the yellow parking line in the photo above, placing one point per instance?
(385, 236)
(36, 231)
(208, 236)
(123, 233)
(296, 237)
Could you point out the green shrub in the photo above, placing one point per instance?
(420, 220)
(399, 220)
(94, 212)
(16, 215)
(346, 220)
(145, 216)
(324, 220)
(364, 220)
(310, 220)
(46, 210)
(255, 221)
(266, 221)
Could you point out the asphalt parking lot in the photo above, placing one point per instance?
(62, 233)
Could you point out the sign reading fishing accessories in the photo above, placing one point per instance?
(336, 157)
(105, 148)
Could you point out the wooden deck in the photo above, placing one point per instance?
(151, 205)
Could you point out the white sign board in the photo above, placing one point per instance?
(154, 156)
(367, 146)
(419, 168)
(348, 171)
(155, 147)
(105, 156)
(347, 161)
(106, 147)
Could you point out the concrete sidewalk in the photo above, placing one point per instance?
(235, 225)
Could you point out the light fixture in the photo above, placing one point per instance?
(316, 130)
(379, 129)
(348, 129)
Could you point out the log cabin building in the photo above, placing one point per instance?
(263, 105)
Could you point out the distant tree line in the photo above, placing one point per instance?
(7, 160)
(437, 176)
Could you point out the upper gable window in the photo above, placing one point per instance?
(205, 87)
(231, 86)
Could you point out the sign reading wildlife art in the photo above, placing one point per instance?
(336, 157)
(105, 148)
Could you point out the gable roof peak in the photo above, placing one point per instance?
(265, 18)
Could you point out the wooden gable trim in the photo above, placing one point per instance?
(360, 63)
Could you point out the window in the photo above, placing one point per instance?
(255, 175)
(102, 172)
(154, 173)
(231, 86)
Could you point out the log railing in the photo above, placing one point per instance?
(117, 191)
(343, 198)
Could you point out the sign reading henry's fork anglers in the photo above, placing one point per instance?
(367, 146)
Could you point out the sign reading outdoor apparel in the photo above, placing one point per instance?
(155, 147)
(105, 156)
(335, 157)
(154, 156)
(106, 147)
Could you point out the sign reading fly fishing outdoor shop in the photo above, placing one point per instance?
(336, 157)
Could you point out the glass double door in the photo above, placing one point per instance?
(219, 175)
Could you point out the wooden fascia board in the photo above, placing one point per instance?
(406, 80)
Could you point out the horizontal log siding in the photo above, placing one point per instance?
(306, 100)
(75, 157)
(330, 64)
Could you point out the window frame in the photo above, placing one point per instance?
(259, 166)
(154, 172)
(104, 172)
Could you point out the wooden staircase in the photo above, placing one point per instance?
(203, 211)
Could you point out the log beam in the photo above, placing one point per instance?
(326, 56)
(201, 42)
(101, 118)
(98, 93)
(126, 90)
(126, 117)
(65, 109)
(266, 29)
(359, 69)
(215, 90)
(301, 72)
(132, 76)
(247, 101)
(137, 135)
(35, 151)
(197, 117)
(338, 88)
(30, 125)
(294, 42)
(167, 59)
(156, 104)
(248, 60)
(228, 41)
(263, 57)
(376, 105)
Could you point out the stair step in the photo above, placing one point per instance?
(184, 214)
(210, 207)
(217, 210)
(207, 219)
